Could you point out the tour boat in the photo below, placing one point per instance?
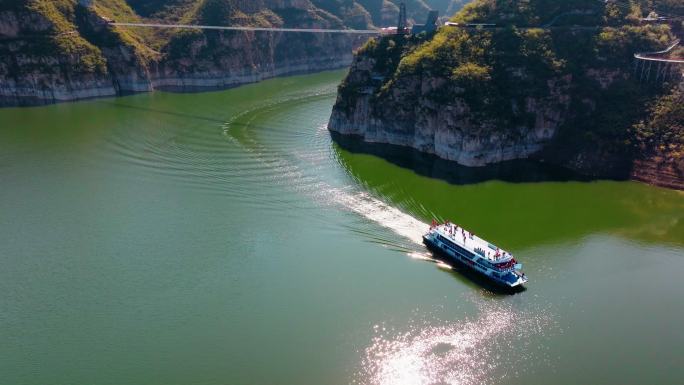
(464, 247)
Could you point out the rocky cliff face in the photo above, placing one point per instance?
(64, 50)
(479, 97)
(408, 115)
(60, 50)
(27, 77)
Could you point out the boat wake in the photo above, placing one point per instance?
(381, 213)
(429, 351)
(289, 151)
(299, 171)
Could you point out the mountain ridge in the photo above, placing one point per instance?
(61, 50)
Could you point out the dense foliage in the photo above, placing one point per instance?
(662, 132)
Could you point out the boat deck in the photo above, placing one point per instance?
(472, 242)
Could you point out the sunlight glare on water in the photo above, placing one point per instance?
(464, 352)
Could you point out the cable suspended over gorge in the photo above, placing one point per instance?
(238, 28)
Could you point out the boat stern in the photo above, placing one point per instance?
(515, 279)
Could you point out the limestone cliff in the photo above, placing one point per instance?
(62, 50)
(563, 95)
(408, 115)
(59, 50)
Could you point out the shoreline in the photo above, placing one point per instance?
(108, 87)
(521, 170)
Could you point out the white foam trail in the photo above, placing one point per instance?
(467, 352)
(421, 256)
(350, 197)
(381, 213)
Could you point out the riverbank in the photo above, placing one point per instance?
(12, 96)
(659, 172)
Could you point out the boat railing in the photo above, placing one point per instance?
(486, 254)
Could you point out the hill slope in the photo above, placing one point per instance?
(479, 96)
(56, 50)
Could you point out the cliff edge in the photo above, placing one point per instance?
(553, 81)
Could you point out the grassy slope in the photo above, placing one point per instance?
(145, 42)
(64, 38)
(149, 43)
(210, 12)
(353, 14)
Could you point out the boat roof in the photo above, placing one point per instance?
(472, 243)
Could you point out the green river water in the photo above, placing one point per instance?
(223, 238)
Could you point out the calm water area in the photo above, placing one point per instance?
(225, 238)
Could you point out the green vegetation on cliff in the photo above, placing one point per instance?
(662, 132)
(56, 46)
(61, 37)
(576, 55)
(74, 33)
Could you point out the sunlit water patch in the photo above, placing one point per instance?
(489, 348)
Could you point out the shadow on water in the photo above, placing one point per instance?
(465, 274)
(514, 171)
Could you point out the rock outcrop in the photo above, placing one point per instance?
(408, 116)
(479, 97)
